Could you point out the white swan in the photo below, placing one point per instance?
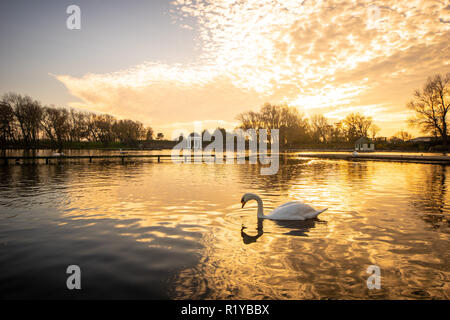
(293, 210)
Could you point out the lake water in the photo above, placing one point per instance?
(163, 230)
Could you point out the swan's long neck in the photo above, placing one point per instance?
(260, 205)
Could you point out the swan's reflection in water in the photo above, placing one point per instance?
(298, 228)
(248, 239)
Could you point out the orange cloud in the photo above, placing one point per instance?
(331, 56)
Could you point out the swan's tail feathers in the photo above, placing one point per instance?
(320, 211)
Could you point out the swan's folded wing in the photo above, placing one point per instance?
(290, 203)
(294, 210)
(298, 205)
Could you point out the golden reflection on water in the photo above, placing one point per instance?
(373, 219)
(393, 215)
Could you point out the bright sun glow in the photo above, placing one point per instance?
(333, 56)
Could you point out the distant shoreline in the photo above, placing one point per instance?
(169, 147)
(347, 156)
(370, 156)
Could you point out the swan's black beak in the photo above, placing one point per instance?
(243, 203)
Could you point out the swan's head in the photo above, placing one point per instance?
(247, 197)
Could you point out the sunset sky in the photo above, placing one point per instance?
(170, 63)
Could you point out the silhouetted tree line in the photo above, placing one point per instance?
(296, 129)
(25, 122)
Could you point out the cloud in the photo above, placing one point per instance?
(332, 57)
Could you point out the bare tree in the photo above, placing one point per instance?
(337, 132)
(374, 130)
(431, 105)
(90, 127)
(28, 114)
(55, 122)
(128, 131)
(148, 134)
(321, 129)
(271, 116)
(292, 125)
(102, 128)
(403, 135)
(78, 125)
(357, 125)
(7, 123)
(250, 120)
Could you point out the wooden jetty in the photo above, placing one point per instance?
(17, 159)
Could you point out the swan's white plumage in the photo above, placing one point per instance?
(293, 210)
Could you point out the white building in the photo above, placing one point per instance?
(364, 144)
(194, 142)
